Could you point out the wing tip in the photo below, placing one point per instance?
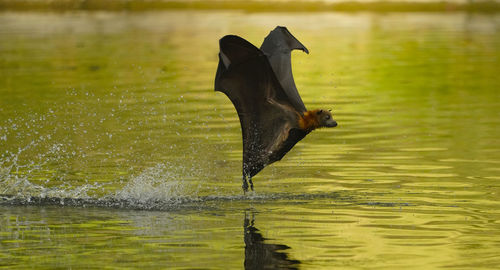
(235, 49)
(295, 43)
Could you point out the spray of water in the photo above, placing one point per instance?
(161, 184)
(81, 163)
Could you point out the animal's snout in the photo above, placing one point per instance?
(331, 123)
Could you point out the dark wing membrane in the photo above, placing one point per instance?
(278, 46)
(266, 114)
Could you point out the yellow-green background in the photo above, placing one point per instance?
(117, 108)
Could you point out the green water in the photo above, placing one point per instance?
(116, 153)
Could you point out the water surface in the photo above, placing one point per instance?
(115, 151)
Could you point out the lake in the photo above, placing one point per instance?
(115, 152)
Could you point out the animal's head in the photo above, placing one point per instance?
(312, 120)
(325, 118)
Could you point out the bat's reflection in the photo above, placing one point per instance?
(261, 255)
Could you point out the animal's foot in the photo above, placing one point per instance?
(245, 186)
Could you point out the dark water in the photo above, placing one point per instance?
(115, 152)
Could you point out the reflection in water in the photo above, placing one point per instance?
(259, 255)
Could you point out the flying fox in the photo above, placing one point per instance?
(260, 84)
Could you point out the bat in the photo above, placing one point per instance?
(260, 84)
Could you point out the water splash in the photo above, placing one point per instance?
(27, 167)
(161, 184)
(164, 186)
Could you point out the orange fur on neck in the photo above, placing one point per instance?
(309, 121)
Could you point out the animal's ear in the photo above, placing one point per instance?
(319, 112)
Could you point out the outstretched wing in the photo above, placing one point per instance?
(269, 121)
(278, 46)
